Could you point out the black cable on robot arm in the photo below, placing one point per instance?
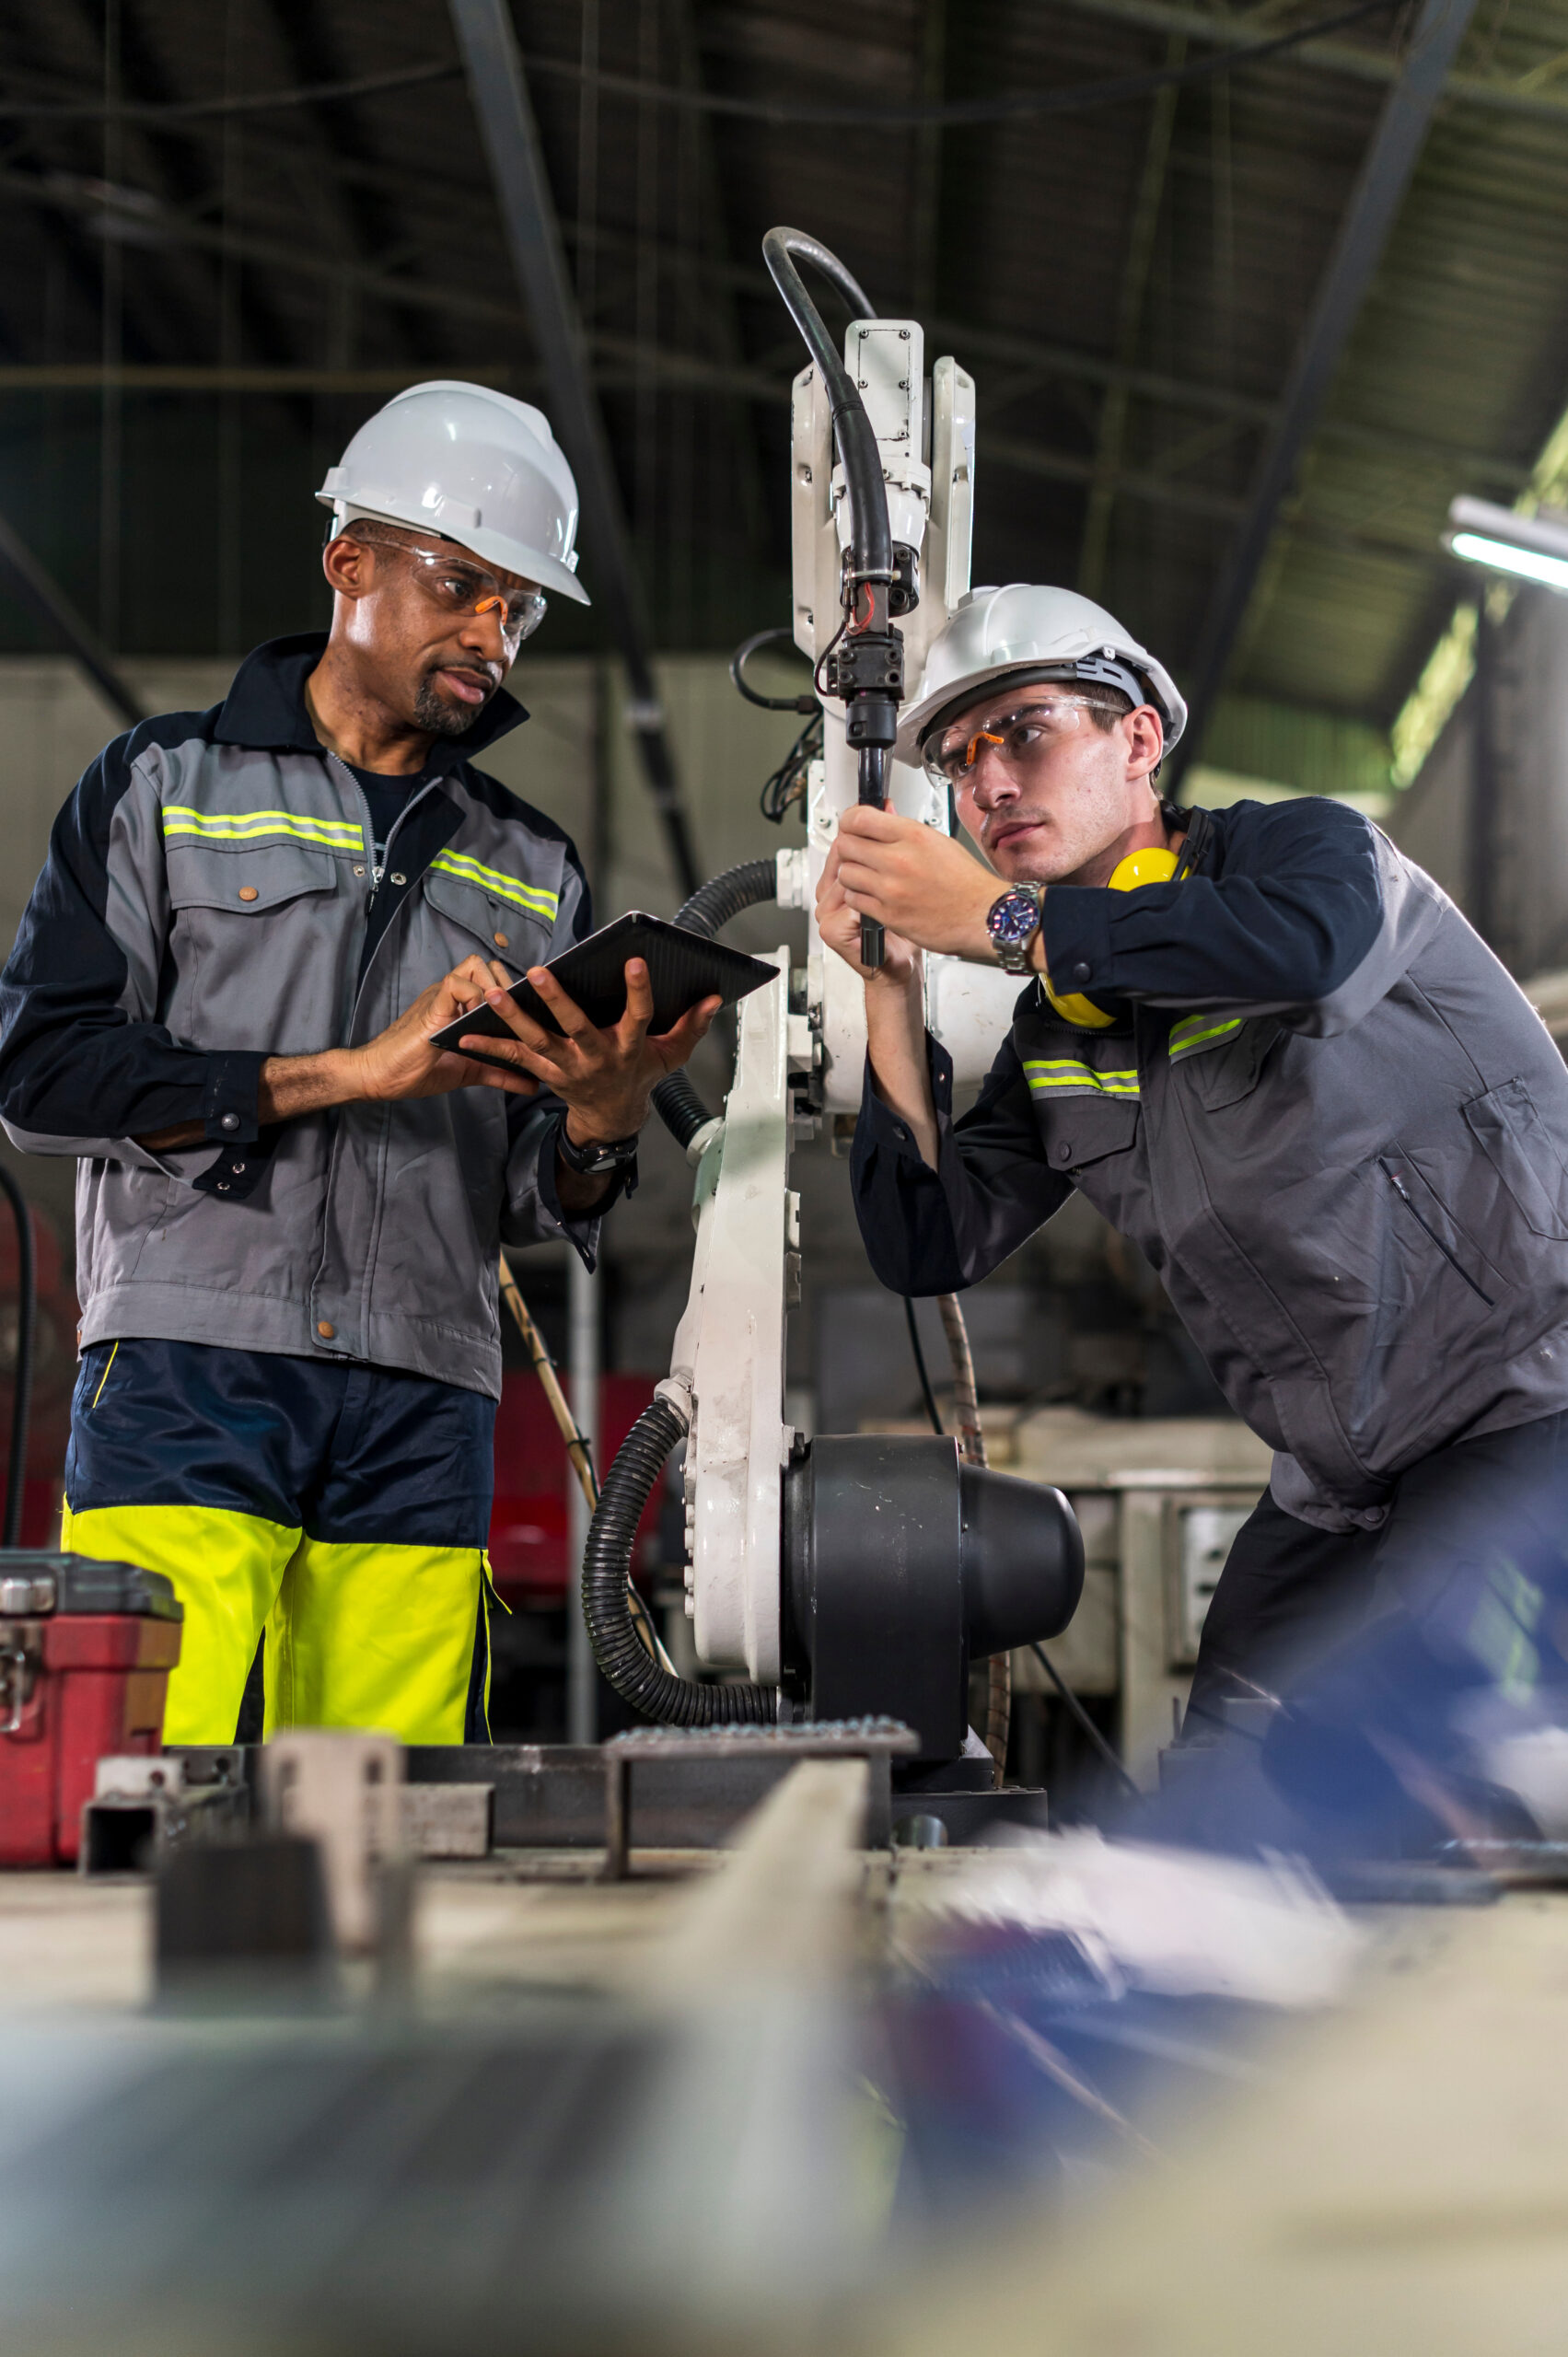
(871, 536)
(738, 660)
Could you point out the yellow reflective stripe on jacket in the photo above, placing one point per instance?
(1196, 1031)
(531, 897)
(1045, 1074)
(248, 826)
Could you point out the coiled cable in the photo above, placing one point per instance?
(607, 1562)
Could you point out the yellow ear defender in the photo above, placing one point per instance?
(1156, 866)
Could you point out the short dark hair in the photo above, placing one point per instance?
(373, 530)
(1107, 705)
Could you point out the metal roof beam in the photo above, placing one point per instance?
(1344, 57)
(39, 591)
(510, 138)
(1374, 202)
(1111, 440)
(694, 370)
(616, 360)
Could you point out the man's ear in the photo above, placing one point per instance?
(1148, 741)
(349, 566)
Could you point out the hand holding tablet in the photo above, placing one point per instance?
(683, 969)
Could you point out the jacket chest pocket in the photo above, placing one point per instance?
(497, 923)
(257, 931)
(1082, 1135)
(249, 881)
(1221, 1058)
(1508, 1124)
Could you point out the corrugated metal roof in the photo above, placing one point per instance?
(1128, 283)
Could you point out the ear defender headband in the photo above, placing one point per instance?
(1158, 864)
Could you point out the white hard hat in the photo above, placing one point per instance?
(473, 465)
(1039, 633)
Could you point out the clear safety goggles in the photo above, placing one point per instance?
(1019, 738)
(459, 586)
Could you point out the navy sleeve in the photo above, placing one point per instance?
(935, 1231)
(1298, 907)
(84, 1064)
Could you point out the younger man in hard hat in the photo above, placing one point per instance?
(289, 1203)
(1268, 1049)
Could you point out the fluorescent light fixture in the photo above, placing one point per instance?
(1476, 549)
(1532, 548)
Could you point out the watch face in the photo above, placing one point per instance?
(1013, 918)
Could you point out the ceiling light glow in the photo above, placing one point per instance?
(1506, 556)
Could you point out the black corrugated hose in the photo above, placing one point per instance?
(713, 904)
(606, 1560)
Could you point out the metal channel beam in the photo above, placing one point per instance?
(40, 590)
(1373, 207)
(1540, 100)
(510, 135)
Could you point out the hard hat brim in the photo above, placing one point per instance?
(557, 579)
(945, 705)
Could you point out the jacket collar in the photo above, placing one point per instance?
(265, 707)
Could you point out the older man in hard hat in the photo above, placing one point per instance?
(1268, 1049)
(289, 1203)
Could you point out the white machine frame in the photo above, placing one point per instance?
(802, 1040)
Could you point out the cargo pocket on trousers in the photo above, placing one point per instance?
(1507, 1123)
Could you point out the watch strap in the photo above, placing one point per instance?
(597, 1158)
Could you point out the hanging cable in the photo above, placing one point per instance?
(576, 1441)
(1084, 1722)
(787, 785)
(737, 662)
(972, 1448)
(925, 1391)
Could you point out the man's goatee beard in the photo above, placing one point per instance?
(443, 719)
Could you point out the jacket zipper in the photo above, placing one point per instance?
(1405, 1197)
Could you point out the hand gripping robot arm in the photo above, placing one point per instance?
(851, 1573)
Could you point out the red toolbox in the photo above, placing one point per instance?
(85, 1649)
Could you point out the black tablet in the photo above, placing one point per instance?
(683, 967)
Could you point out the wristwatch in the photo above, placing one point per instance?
(599, 1158)
(1013, 922)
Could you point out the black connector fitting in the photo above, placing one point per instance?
(903, 590)
(871, 663)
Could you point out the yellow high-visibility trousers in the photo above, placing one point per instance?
(369, 1581)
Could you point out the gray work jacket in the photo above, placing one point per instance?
(1326, 1114)
(210, 899)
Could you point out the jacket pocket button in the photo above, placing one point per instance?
(1082, 971)
(501, 940)
(229, 1121)
(1064, 1151)
(325, 1327)
(247, 891)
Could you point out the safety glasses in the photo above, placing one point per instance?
(459, 586)
(1019, 738)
